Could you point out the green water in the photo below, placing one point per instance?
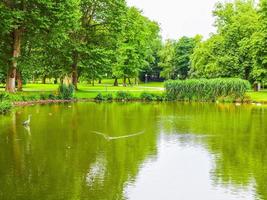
(181, 151)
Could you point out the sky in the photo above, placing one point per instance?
(179, 18)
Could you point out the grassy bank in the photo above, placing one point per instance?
(153, 91)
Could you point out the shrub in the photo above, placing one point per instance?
(109, 97)
(5, 106)
(147, 96)
(30, 98)
(66, 91)
(206, 89)
(124, 96)
(4, 96)
(44, 96)
(99, 97)
(52, 97)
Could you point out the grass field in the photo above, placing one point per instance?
(258, 96)
(105, 86)
(87, 91)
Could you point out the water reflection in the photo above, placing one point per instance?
(185, 151)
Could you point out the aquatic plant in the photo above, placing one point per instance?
(206, 89)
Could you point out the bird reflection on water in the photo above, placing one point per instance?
(119, 137)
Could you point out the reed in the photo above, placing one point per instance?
(207, 89)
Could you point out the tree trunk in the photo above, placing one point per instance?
(129, 81)
(99, 81)
(75, 70)
(93, 82)
(19, 80)
(257, 87)
(124, 81)
(116, 82)
(11, 75)
(44, 80)
(135, 81)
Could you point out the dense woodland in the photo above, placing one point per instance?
(90, 40)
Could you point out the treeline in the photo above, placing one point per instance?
(80, 39)
(88, 40)
(237, 49)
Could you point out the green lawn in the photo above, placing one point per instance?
(105, 86)
(258, 96)
(87, 91)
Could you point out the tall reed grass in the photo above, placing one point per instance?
(207, 89)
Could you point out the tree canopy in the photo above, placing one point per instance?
(88, 40)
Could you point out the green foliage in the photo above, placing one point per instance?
(136, 44)
(109, 97)
(175, 57)
(206, 89)
(66, 92)
(236, 50)
(5, 106)
(124, 96)
(145, 96)
(259, 47)
(101, 97)
(50, 96)
(36, 27)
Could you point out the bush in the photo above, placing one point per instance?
(52, 97)
(100, 97)
(4, 96)
(109, 97)
(206, 89)
(66, 91)
(124, 96)
(5, 106)
(147, 96)
(44, 96)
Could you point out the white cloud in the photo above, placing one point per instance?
(179, 17)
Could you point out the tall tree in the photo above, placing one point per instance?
(135, 45)
(228, 53)
(96, 37)
(166, 54)
(259, 72)
(30, 19)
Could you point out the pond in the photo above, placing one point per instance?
(135, 151)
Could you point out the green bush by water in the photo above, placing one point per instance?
(207, 89)
(124, 96)
(5, 106)
(145, 96)
(101, 97)
(66, 91)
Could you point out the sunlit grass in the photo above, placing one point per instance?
(258, 96)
